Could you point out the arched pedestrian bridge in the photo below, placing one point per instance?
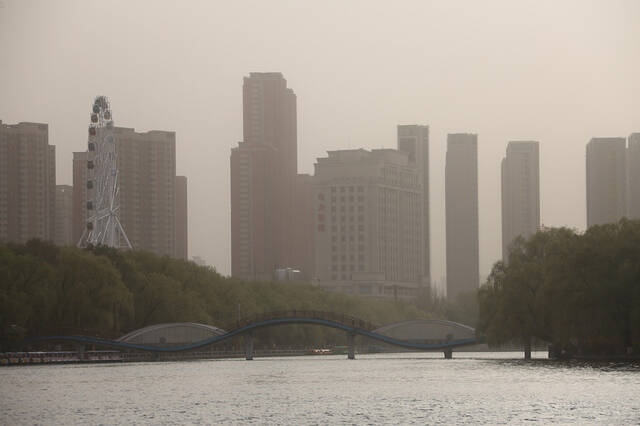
(422, 334)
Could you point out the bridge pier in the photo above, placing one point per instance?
(248, 346)
(448, 353)
(351, 353)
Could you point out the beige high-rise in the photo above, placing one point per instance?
(147, 179)
(520, 193)
(606, 180)
(27, 183)
(368, 223)
(263, 180)
(63, 235)
(461, 194)
(182, 222)
(414, 140)
(633, 174)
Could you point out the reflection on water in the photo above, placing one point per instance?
(382, 388)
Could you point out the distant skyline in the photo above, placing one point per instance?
(560, 73)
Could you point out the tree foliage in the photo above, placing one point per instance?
(578, 291)
(45, 289)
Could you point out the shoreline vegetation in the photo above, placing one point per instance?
(102, 292)
(580, 292)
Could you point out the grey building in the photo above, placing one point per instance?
(27, 183)
(633, 174)
(520, 192)
(182, 221)
(63, 233)
(368, 223)
(414, 140)
(461, 193)
(606, 180)
(263, 179)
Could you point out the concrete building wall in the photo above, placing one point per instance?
(27, 182)
(252, 250)
(182, 220)
(606, 180)
(461, 193)
(304, 230)
(633, 173)
(368, 217)
(263, 174)
(520, 192)
(79, 214)
(147, 173)
(414, 139)
(63, 235)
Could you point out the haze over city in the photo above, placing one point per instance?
(556, 72)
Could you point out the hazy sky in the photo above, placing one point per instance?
(559, 72)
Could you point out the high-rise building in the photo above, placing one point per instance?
(263, 179)
(27, 183)
(368, 223)
(182, 228)
(606, 180)
(147, 177)
(461, 193)
(79, 214)
(63, 234)
(303, 227)
(520, 193)
(414, 140)
(633, 173)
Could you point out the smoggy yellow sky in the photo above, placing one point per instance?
(559, 72)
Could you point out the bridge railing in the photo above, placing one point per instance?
(341, 318)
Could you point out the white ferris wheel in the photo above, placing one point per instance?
(103, 225)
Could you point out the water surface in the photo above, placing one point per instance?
(408, 388)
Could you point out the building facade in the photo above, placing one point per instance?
(606, 180)
(27, 183)
(63, 233)
(633, 174)
(461, 193)
(182, 221)
(414, 140)
(147, 181)
(263, 180)
(520, 193)
(368, 223)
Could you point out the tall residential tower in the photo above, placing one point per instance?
(414, 140)
(461, 192)
(263, 179)
(27, 183)
(606, 180)
(520, 193)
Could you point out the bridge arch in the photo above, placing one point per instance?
(350, 325)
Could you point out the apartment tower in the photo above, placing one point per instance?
(414, 140)
(606, 180)
(461, 193)
(633, 174)
(520, 193)
(263, 179)
(182, 228)
(63, 233)
(27, 183)
(147, 180)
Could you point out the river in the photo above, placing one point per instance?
(406, 388)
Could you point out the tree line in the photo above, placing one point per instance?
(578, 291)
(51, 290)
